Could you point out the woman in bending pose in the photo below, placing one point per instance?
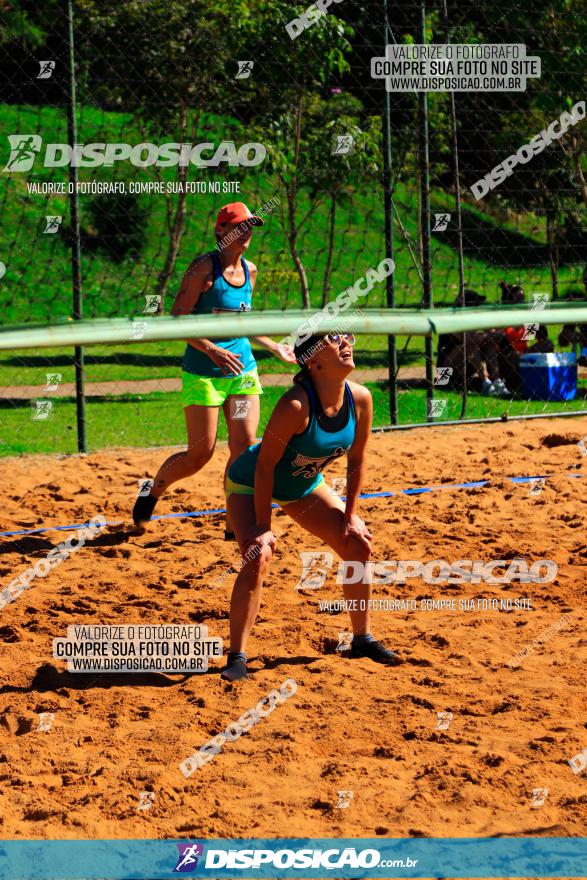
(321, 418)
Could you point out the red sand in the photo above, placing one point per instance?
(351, 725)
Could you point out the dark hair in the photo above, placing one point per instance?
(305, 349)
(505, 291)
(471, 298)
(511, 293)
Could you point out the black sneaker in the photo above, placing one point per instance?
(236, 667)
(375, 651)
(143, 510)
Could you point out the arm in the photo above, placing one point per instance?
(284, 352)
(356, 463)
(287, 419)
(196, 281)
(279, 349)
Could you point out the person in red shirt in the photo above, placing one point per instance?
(515, 337)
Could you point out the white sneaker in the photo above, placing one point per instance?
(501, 388)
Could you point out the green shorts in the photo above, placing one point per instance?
(233, 488)
(207, 391)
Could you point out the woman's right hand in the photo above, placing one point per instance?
(228, 362)
(259, 536)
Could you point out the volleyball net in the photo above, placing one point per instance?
(290, 325)
(86, 387)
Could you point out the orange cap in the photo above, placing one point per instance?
(236, 212)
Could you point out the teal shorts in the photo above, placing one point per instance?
(231, 487)
(207, 391)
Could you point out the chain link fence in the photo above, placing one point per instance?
(130, 124)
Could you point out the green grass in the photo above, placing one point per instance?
(37, 284)
(162, 360)
(158, 360)
(412, 406)
(157, 419)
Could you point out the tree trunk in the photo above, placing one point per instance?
(553, 255)
(292, 237)
(291, 192)
(175, 237)
(177, 225)
(572, 148)
(580, 175)
(331, 227)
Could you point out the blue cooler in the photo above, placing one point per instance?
(551, 376)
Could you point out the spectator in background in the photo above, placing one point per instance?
(543, 344)
(481, 351)
(513, 341)
(576, 334)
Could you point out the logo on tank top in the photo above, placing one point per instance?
(311, 467)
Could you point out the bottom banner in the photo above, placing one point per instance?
(297, 857)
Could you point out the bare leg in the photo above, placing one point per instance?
(322, 514)
(202, 425)
(241, 412)
(247, 590)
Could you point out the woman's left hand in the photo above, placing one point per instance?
(285, 353)
(356, 528)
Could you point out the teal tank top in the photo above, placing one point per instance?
(222, 297)
(306, 455)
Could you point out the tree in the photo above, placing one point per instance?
(178, 67)
(492, 126)
(294, 72)
(344, 151)
(23, 22)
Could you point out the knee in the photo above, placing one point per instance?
(257, 560)
(197, 457)
(237, 447)
(357, 552)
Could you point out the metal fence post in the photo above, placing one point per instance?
(75, 236)
(425, 222)
(389, 245)
(457, 185)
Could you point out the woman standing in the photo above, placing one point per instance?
(321, 418)
(221, 373)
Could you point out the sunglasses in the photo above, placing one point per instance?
(338, 338)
